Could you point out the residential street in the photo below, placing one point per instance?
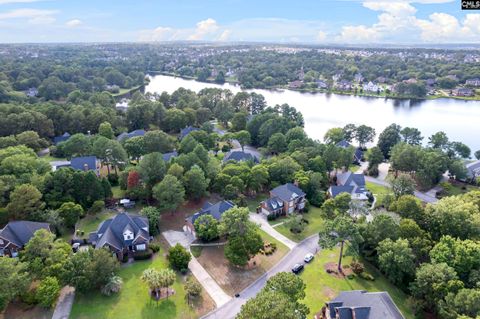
(296, 255)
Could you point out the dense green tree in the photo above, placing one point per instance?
(411, 136)
(77, 145)
(153, 215)
(15, 280)
(179, 257)
(239, 121)
(152, 169)
(47, 292)
(464, 304)
(169, 193)
(70, 213)
(396, 260)
(158, 141)
(135, 147)
(334, 135)
(403, 185)
(277, 143)
(105, 130)
(195, 183)
(25, 202)
(364, 134)
(388, 139)
(207, 228)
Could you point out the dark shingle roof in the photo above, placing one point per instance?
(365, 305)
(216, 210)
(110, 232)
(343, 144)
(19, 232)
(349, 179)
(274, 203)
(131, 134)
(336, 190)
(240, 156)
(287, 192)
(84, 162)
(473, 169)
(189, 129)
(169, 156)
(61, 138)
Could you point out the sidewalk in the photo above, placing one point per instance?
(266, 227)
(64, 303)
(208, 283)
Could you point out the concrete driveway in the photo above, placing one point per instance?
(266, 227)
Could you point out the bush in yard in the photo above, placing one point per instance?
(357, 267)
(367, 276)
(113, 286)
(192, 288)
(153, 215)
(97, 207)
(113, 179)
(178, 257)
(154, 247)
(143, 255)
(206, 227)
(47, 292)
(271, 217)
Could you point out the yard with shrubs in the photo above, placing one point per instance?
(133, 301)
(314, 221)
(322, 286)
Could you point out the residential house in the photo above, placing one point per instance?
(123, 234)
(463, 92)
(168, 156)
(189, 129)
(85, 163)
(359, 78)
(353, 184)
(31, 92)
(473, 170)
(322, 84)
(297, 84)
(357, 155)
(240, 156)
(360, 304)
(126, 136)
(215, 210)
(473, 82)
(284, 199)
(344, 85)
(371, 87)
(61, 138)
(16, 234)
(59, 164)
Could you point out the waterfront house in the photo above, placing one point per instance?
(353, 184)
(463, 92)
(473, 82)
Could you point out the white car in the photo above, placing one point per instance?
(308, 258)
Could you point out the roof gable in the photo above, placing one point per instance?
(112, 230)
(84, 163)
(20, 232)
(215, 210)
(287, 192)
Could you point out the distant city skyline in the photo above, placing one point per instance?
(308, 21)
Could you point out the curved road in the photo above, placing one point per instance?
(296, 255)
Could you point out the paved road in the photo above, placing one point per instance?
(64, 303)
(232, 308)
(266, 227)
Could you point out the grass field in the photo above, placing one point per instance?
(133, 301)
(379, 192)
(234, 279)
(322, 287)
(117, 192)
(254, 202)
(315, 222)
(90, 222)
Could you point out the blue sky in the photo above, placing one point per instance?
(320, 21)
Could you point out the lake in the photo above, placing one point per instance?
(322, 111)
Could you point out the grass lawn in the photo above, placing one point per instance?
(254, 202)
(133, 301)
(50, 158)
(379, 192)
(457, 188)
(90, 222)
(354, 168)
(234, 279)
(315, 222)
(322, 287)
(117, 192)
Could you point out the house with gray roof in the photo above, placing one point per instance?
(353, 184)
(284, 199)
(360, 304)
(473, 170)
(62, 138)
(185, 131)
(85, 163)
(240, 156)
(16, 234)
(123, 234)
(357, 155)
(168, 156)
(126, 136)
(215, 210)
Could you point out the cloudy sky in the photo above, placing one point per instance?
(310, 21)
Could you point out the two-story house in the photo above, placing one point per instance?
(122, 234)
(353, 184)
(284, 199)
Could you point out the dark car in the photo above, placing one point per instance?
(297, 268)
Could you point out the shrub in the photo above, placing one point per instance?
(97, 207)
(143, 255)
(373, 171)
(271, 217)
(114, 285)
(125, 258)
(113, 179)
(178, 257)
(47, 292)
(154, 247)
(366, 276)
(357, 267)
(350, 276)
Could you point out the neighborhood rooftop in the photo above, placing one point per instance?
(287, 192)
(19, 232)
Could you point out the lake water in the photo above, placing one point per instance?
(459, 119)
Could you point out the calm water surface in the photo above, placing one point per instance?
(459, 119)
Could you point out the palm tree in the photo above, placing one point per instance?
(153, 279)
(167, 278)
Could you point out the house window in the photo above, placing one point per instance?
(141, 247)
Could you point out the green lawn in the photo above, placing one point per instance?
(117, 192)
(254, 202)
(315, 222)
(133, 301)
(354, 168)
(322, 287)
(379, 192)
(90, 222)
(50, 158)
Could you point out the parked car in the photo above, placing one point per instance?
(308, 258)
(297, 268)
(75, 247)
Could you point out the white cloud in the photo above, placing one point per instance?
(359, 33)
(73, 23)
(204, 28)
(157, 34)
(33, 16)
(321, 36)
(225, 35)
